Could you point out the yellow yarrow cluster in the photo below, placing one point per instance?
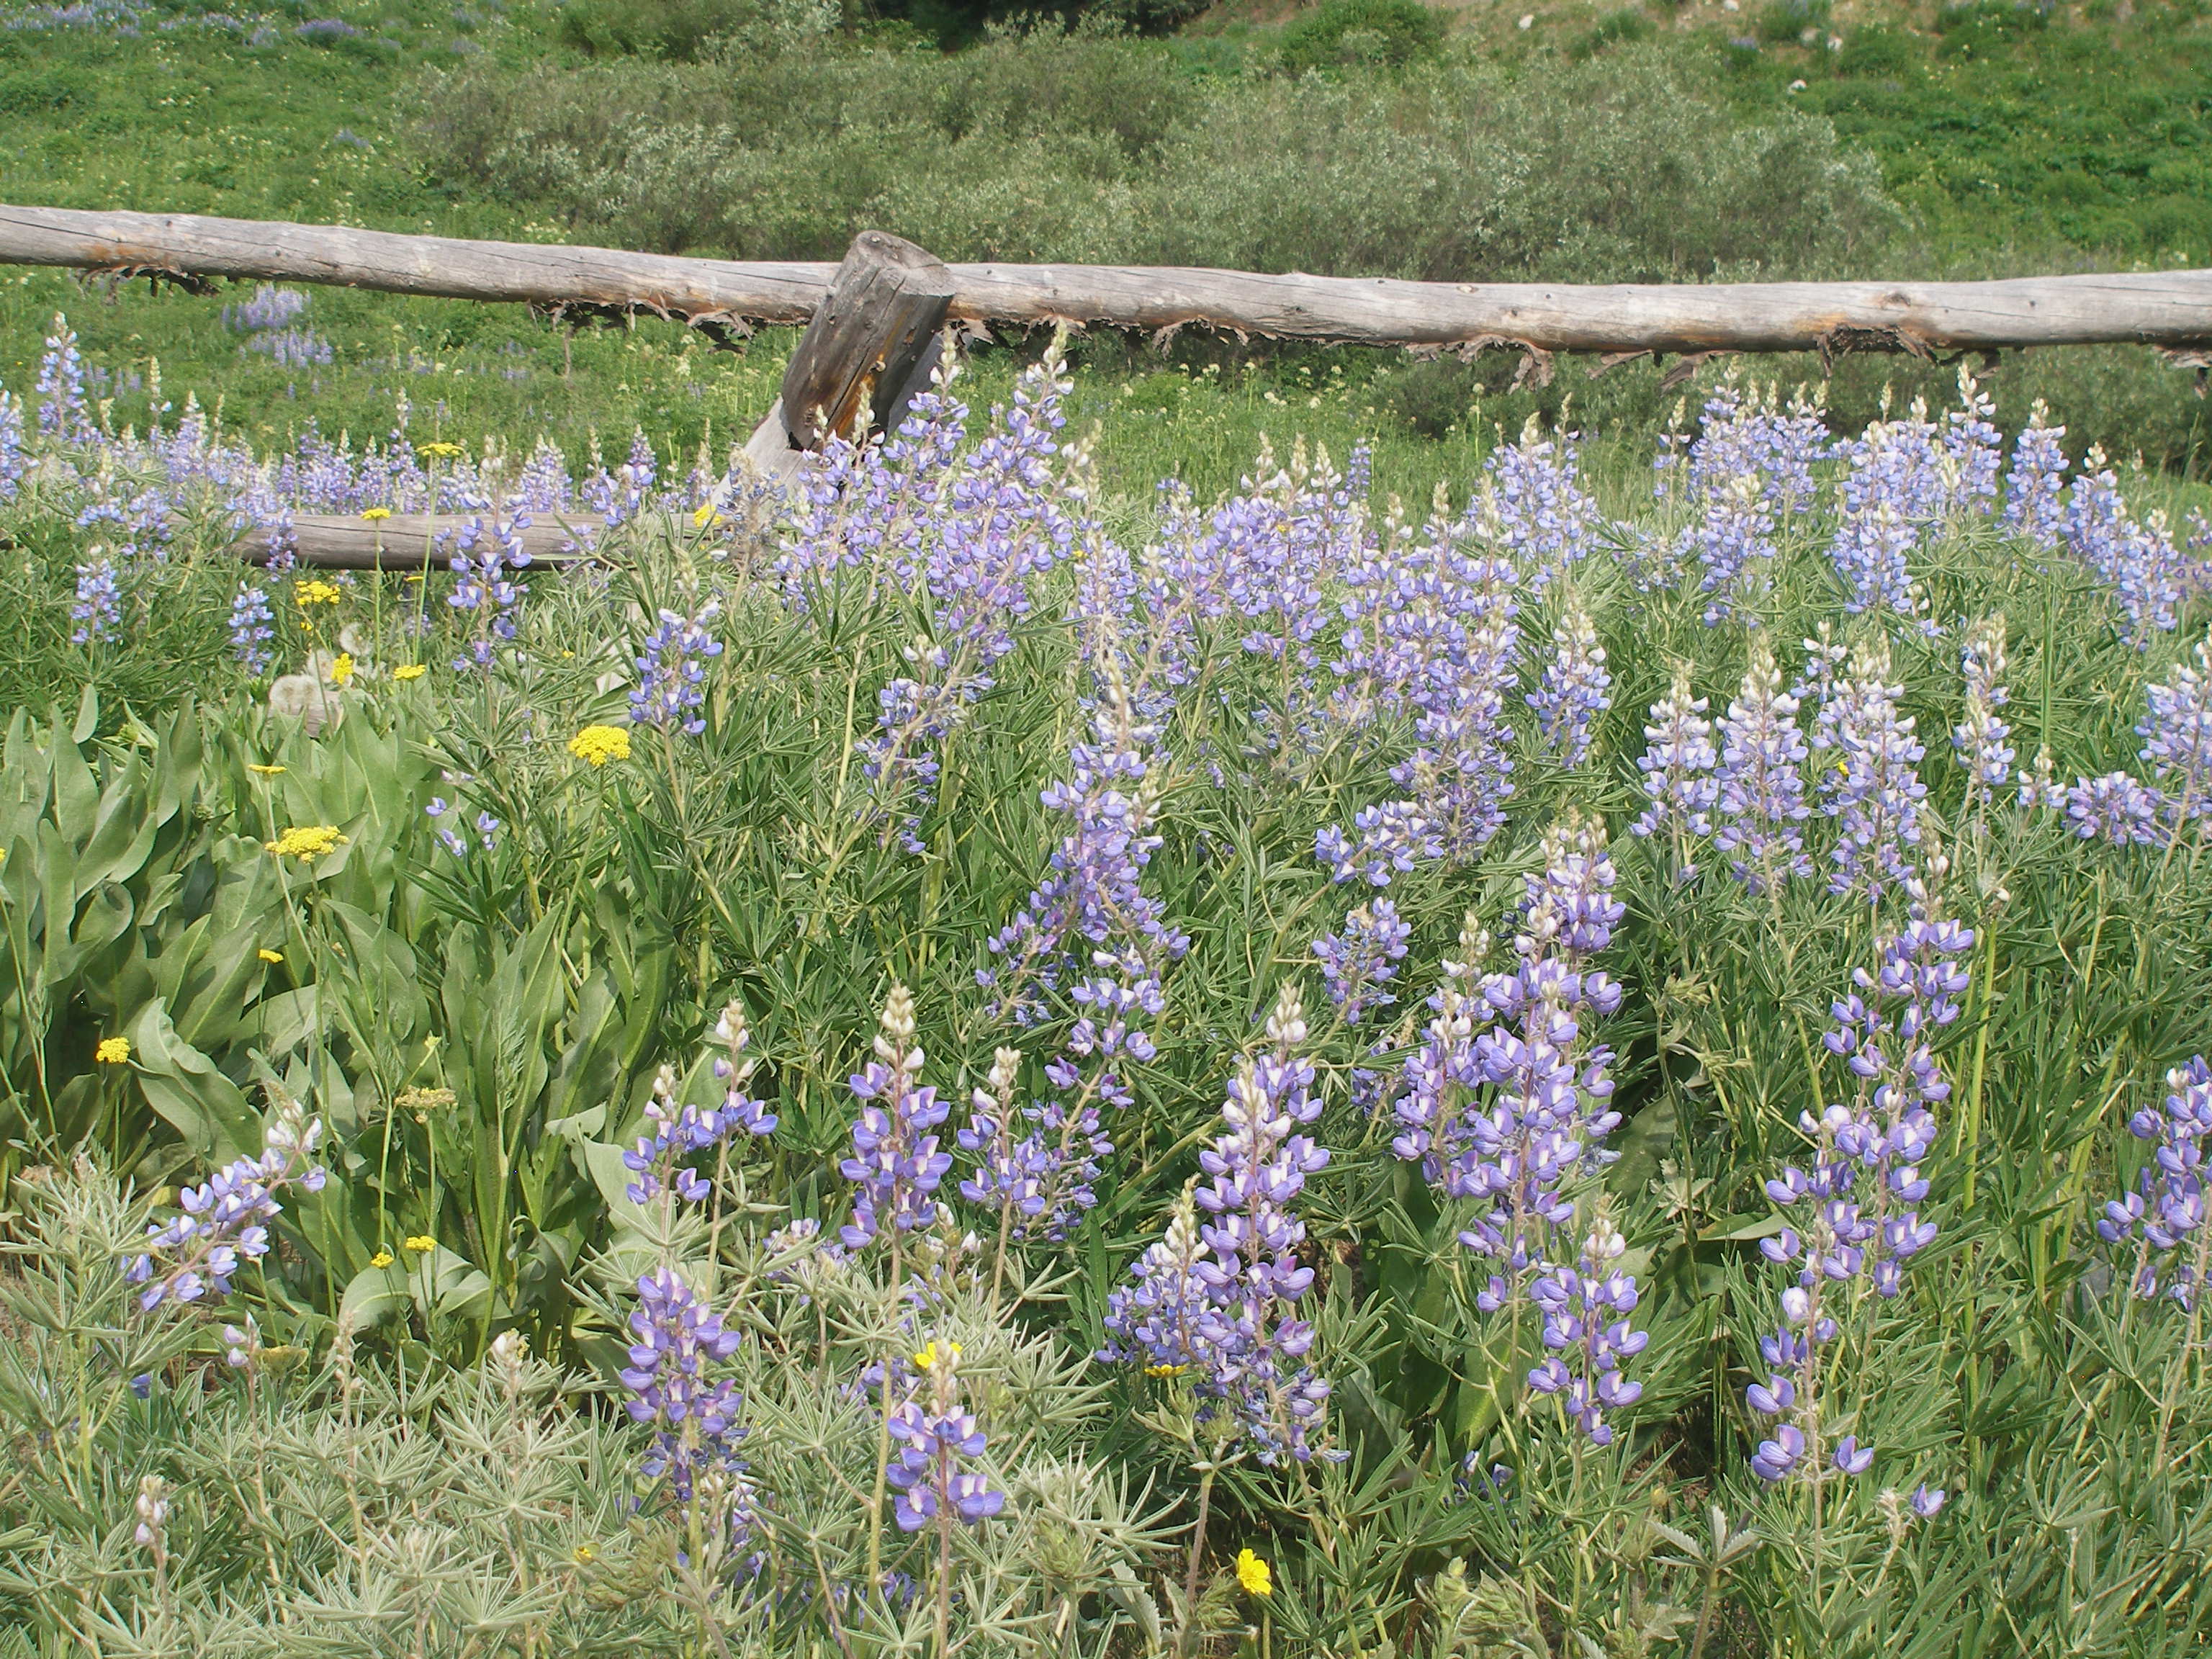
(440, 451)
(598, 745)
(377, 514)
(410, 670)
(314, 591)
(381, 1259)
(342, 668)
(1252, 1573)
(307, 842)
(113, 1051)
(421, 1245)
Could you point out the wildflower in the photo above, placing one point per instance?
(153, 1507)
(486, 558)
(270, 956)
(98, 611)
(896, 1162)
(1678, 773)
(1252, 1573)
(672, 671)
(307, 842)
(1586, 1310)
(113, 1051)
(1762, 792)
(2117, 809)
(253, 625)
(1571, 693)
(2176, 735)
(420, 1244)
(381, 1259)
(679, 1343)
(377, 514)
(1927, 1501)
(438, 451)
(2165, 1213)
(1355, 963)
(705, 518)
(931, 1437)
(1874, 788)
(596, 745)
(1734, 544)
(313, 591)
(1980, 739)
(261, 769)
(224, 1219)
(2036, 485)
(341, 668)
(410, 670)
(681, 1132)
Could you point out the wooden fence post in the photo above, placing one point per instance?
(868, 351)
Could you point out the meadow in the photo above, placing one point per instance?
(1217, 1001)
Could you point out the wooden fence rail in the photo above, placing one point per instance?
(2170, 309)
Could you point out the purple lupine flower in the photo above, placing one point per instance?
(293, 347)
(1678, 774)
(672, 671)
(896, 1162)
(138, 521)
(224, 1220)
(2117, 809)
(14, 462)
(1762, 788)
(1539, 514)
(271, 308)
(253, 625)
(1355, 963)
(486, 559)
(2035, 486)
(2177, 734)
(1012, 1168)
(1091, 933)
(2164, 1215)
(1433, 634)
(1974, 451)
(2039, 785)
(1503, 1116)
(1750, 434)
(1586, 1310)
(1570, 694)
(679, 1343)
(2137, 560)
(98, 611)
(1852, 1215)
(683, 1132)
(1732, 542)
(1927, 1501)
(931, 1438)
(1218, 1299)
(1870, 783)
(1871, 553)
(62, 414)
(1978, 740)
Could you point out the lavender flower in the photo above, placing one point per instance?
(486, 558)
(679, 1342)
(1734, 545)
(271, 308)
(14, 464)
(2035, 486)
(672, 671)
(1543, 519)
(896, 1162)
(224, 1220)
(253, 625)
(1978, 740)
(1677, 771)
(1571, 693)
(683, 1131)
(1504, 1117)
(2165, 1214)
(1357, 962)
(2137, 560)
(1762, 791)
(1872, 787)
(62, 409)
(98, 612)
(2176, 735)
(932, 1438)
(2121, 811)
(1586, 1310)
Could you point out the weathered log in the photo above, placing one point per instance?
(2171, 309)
(408, 541)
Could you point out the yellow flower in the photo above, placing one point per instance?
(705, 516)
(381, 1259)
(270, 956)
(438, 451)
(264, 771)
(927, 1360)
(586, 1553)
(313, 591)
(307, 842)
(342, 668)
(410, 670)
(421, 1245)
(598, 745)
(1166, 1370)
(1252, 1573)
(375, 513)
(113, 1051)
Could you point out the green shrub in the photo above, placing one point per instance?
(1337, 33)
(1787, 20)
(1629, 24)
(683, 29)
